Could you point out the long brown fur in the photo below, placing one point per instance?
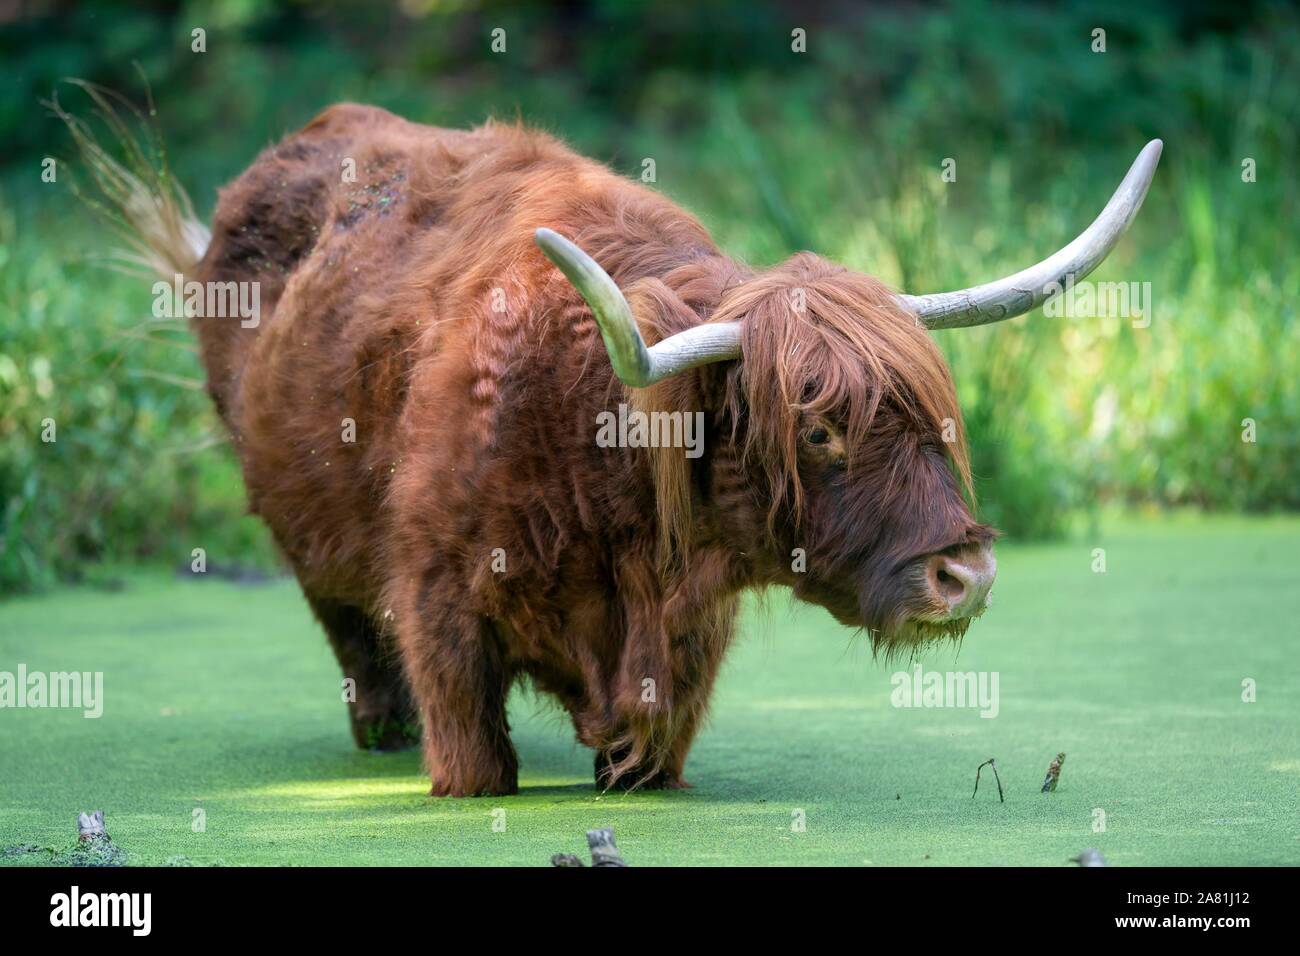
(474, 533)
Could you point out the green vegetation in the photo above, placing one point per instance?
(839, 148)
(227, 700)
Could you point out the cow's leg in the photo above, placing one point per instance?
(380, 707)
(454, 661)
(676, 739)
(662, 733)
(649, 752)
(637, 778)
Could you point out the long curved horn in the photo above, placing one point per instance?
(1017, 294)
(634, 363)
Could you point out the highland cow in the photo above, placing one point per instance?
(447, 318)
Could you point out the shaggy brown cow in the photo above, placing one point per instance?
(476, 531)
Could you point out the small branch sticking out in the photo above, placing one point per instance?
(90, 826)
(603, 850)
(1053, 773)
(988, 763)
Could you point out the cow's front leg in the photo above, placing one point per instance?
(663, 696)
(660, 761)
(639, 776)
(454, 664)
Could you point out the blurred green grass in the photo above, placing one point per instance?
(839, 148)
(228, 700)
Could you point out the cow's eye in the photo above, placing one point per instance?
(818, 436)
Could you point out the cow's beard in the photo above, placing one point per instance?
(911, 621)
(899, 615)
(911, 636)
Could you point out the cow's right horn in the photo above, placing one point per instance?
(1028, 288)
(634, 363)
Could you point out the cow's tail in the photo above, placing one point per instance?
(136, 193)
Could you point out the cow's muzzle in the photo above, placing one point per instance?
(960, 581)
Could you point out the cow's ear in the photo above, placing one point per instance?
(659, 311)
(635, 363)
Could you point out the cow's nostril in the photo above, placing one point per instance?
(962, 583)
(949, 587)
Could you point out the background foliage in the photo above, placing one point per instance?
(838, 150)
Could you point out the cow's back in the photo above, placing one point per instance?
(388, 252)
(290, 218)
(317, 223)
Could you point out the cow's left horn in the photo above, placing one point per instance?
(1017, 294)
(634, 363)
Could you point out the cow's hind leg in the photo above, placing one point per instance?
(380, 708)
(461, 682)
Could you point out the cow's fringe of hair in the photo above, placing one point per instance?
(137, 194)
(817, 339)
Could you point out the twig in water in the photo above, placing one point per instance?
(603, 850)
(988, 763)
(1053, 773)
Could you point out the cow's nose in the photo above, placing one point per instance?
(962, 581)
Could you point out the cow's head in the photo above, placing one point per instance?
(846, 462)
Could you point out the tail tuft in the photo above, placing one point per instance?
(138, 195)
